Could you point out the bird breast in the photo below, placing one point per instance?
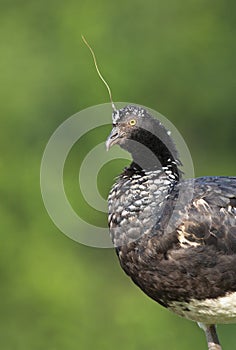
(135, 206)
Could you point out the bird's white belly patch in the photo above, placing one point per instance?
(208, 311)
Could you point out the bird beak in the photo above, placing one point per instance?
(113, 137)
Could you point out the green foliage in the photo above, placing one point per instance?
(175, 57)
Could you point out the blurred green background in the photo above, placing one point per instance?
(175, 57)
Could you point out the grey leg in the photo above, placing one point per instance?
(211, 336)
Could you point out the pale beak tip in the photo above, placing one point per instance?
(107, 145)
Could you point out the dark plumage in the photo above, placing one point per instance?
(175, 238)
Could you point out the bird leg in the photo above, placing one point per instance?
(211, 336)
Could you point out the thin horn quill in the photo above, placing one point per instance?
(99, 73)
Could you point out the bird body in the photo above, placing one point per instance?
(175, 238)
(188, 265)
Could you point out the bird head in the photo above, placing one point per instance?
(127, 123)
(148, 141)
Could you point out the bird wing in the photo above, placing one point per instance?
(206, 213)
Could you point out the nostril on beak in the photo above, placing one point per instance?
(113, 136)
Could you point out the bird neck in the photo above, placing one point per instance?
(151, 153)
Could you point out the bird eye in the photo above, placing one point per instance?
(132, 122)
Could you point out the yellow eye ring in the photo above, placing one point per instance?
(132, 122)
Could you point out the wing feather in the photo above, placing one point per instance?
(210, 217)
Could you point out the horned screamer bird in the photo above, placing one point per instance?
(187, 264)
(175, 238)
